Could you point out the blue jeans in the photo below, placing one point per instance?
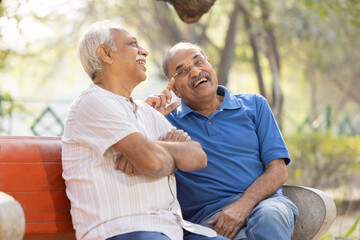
(272, 219)
(145, 235)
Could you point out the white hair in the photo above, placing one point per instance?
(97, 34)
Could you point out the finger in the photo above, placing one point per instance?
(170, 133)
(234, 232)
(153, 101)
(188, 138)
(120, 163)
(157, 102)
(183, 137)
(168, 89)
(168, 96)
(135, 171)
(177, 134)
(129, 169)
(170, 85)
(171, 108)
(163, 100)
(226, 232)
(219, 226)
(214, 220)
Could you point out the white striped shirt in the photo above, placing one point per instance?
(106, 202)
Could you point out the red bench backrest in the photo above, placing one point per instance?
(30, 171)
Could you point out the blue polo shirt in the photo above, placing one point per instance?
(240, 138)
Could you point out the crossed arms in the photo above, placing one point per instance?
(159, 158)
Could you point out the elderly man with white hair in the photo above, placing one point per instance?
(107, 131)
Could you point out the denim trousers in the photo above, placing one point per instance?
(146, 235)
(272, 219)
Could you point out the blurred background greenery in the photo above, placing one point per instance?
(303, 56)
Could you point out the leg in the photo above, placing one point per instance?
(272, 219)
(140, 235)
(193, 236)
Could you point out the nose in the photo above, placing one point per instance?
(194, 70)
(143, 51)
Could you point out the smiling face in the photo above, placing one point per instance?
(129, 59)
(195, 78)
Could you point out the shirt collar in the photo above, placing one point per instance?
(230, 102)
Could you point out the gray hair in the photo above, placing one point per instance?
(169, 54)
(97, 34)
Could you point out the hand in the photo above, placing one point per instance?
(159, 101)
(123, 164)
(230, 220)
(174, 135)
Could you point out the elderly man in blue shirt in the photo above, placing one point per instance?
(239, 193)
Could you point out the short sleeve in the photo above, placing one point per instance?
(102, 120)
(272, 144)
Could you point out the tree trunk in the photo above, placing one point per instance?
(227, 54)
(274, 61)
(170, 29)
(256, 62)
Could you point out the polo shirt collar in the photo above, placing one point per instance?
(230, 102)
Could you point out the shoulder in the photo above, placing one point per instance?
(249, 99)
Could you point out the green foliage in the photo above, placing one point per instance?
(4, 100)
(323, 160)
(351, 233)
(353, 228)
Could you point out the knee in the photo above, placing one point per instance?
(277, 214)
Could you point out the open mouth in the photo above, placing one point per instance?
(141, 59)
(198, 82)
(142, 62)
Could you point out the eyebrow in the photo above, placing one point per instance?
(181, 65)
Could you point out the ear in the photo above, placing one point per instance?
(105, 54)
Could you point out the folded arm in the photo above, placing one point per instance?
(162, 157)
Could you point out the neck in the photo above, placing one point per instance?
(113, 85)
(209, 107)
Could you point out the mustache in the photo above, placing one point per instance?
(201, 75)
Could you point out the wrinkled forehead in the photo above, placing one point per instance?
(119, 32)
(183, 56)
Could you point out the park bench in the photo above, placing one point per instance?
(33, 203)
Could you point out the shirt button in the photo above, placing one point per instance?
(127, 100)
(209, 122)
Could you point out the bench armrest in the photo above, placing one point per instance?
(12, 219)
(317, 211)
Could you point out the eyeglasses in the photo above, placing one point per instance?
(199, 63)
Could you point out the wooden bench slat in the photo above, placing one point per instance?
(44, 206)
(45, 149)
(33, 176)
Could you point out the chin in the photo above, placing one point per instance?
(142, 77)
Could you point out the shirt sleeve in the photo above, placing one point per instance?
(102, 120)
(272, 144)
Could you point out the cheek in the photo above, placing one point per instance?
(180, 87)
